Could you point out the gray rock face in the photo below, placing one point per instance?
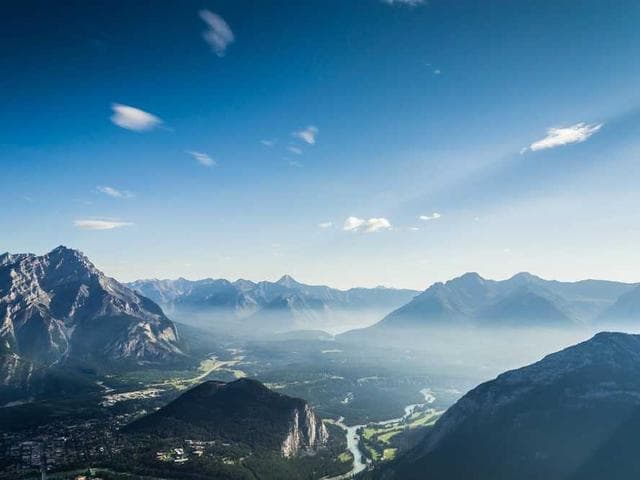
(58, 306)
(306, 433)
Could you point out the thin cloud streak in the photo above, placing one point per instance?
(132, 118)
(203, 159)
(307, 135)
(557, 137)
(89, 224)
(219, 35)
(114, 192)
(355, 224)
(428, 218)
(410, 3)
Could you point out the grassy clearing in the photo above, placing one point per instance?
(389, 453)
(369, 432)
(373, 454)
(425, 420)
(380, 441)
(387, 436)
(345, 457)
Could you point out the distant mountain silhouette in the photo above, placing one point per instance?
(626, 309)
(522, 300)
(270, 306)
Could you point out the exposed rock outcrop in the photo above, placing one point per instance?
(59, 306)
(307, 433)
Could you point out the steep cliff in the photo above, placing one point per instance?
(306, 433)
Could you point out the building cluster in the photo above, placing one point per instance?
(190, 449)
(55, 446)
(60, 447)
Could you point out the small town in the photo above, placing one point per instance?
(57, 447)
(54, 446)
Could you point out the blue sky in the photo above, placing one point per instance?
(251, 138)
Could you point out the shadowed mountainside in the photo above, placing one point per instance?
(573, 415)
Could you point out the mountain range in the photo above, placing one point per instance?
(58, 308)
(523, 300)
(271, 306)
(573, 415)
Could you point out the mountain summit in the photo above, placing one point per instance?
(59, 307)
(289, 282)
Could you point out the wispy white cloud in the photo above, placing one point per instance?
(433, 216)
(219, 34)
(307, 135)
(133, 118)
(294, 149)
(203, 159)
(352, 224)
(375, 224)
(114, 192)
(294, 163)
(434, 70)
(557, 137)
(411, 3)
(355, 224)
(325, 225)
(268, 143)
(92, 224)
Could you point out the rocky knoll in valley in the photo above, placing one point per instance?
(243, 411)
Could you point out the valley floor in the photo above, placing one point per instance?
(346, 387)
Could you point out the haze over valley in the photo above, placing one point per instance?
(319, 240)
(75, 338)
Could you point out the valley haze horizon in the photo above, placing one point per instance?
(320, 240)
(285, 275)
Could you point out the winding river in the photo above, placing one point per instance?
(353, 439)
(352, 445)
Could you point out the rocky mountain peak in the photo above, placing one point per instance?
(59, 306)
(288, 281)
(524, 278)
(469, 278)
